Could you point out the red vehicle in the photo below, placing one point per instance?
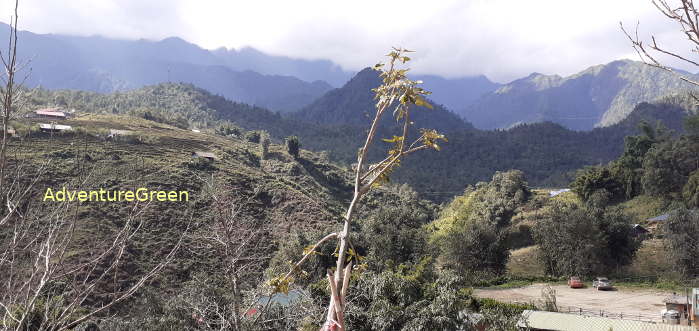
(575, 282)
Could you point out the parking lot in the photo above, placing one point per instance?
(642, 304)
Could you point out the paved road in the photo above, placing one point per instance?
(643, 303)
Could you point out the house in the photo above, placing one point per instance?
(206, 155)
(659, 218)
(550, 321)
(54, 113)
(54, 127)
(116, 133)
(637, 230)
(557, 192)
(680, 303)
(10, 132)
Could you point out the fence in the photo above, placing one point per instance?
(608, 314)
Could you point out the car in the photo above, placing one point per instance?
(670, 316)
(602, 283)
(575, 282)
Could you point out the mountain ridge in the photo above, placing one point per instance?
(598, 96)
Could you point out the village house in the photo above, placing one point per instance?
(679, 303)
(10, 132)
(54, 127)
(113, 133)
(637, 230)
(54, 113)
(205, 155)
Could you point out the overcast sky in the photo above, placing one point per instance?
(503, 39)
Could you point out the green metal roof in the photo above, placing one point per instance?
(544, 320)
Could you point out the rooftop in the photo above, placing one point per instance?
(544, 320)
(55, 127)
(677, 299)
(51, 112)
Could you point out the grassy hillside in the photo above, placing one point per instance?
(546, 152)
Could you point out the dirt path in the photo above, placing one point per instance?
(643, 304)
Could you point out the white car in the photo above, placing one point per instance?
(602, 283)
(670, 316)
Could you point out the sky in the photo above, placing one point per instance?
(502, 39)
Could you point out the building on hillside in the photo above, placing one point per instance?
(10, 132)
(637, 230)
(557, 192)
(54, 127)
(54, 113)
(659, 218)
(205, 155)
(685, 305)
(549, 321)
(116, 133)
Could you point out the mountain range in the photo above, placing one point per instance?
(108, 65)
(599, 96)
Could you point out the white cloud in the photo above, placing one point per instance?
(503, 39)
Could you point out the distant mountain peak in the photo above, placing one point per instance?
(600, 95)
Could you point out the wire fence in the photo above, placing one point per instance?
(608, 314)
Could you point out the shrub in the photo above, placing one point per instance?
(264, 144)
(253, 136)
(293, 145)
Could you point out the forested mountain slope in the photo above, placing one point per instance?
(545, 152)
(108, 65)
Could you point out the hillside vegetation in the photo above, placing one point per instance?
(547, 153)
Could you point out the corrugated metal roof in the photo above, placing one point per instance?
(207, 155)
(544, 320)
(55, 127)
(662, 217)
(51, 112)
(679, 299)
(557, 192)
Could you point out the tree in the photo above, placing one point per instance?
(681, 241)
(238, 241)
(686, 16)
(472, 231)
(690, 191)
(264, 144)
(600, 180)
(397, 94)
(575, 240)
(667, 166)
(293, 145)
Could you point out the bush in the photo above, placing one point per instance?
(293, 145)
(253, 136)
(690, 191)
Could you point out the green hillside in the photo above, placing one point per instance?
(545, 152)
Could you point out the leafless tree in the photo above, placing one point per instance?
(47, 281)
(398, 94)
(686, 16)
(240, 241)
